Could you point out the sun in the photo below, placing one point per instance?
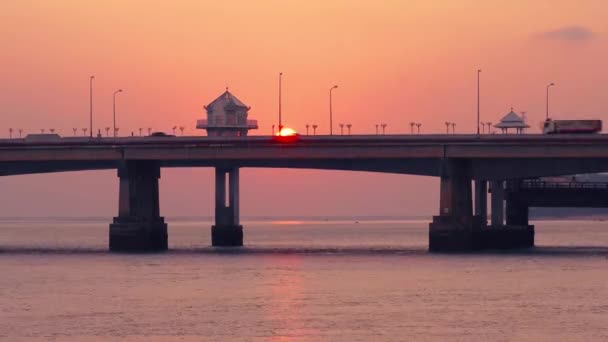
(286, 132)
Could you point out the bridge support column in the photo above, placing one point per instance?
(481, 201)
(516, 233)
(138, 226)
(453, 229)
(498, 197)
(227, 231)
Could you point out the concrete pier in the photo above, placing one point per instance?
(457, 229)
(138, 226)
(481, 201)
(452, 229)
(498, 200)
(516, 233)
(227, 231)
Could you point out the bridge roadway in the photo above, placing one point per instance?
(456, 159)
(490, 157)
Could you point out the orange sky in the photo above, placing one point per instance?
(394, 62)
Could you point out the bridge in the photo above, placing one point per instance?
(459, 161)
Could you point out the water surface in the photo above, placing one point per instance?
(300, 280)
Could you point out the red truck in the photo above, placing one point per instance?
(572, 126)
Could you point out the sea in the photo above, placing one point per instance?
(298, 279)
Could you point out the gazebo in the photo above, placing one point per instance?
(512, 120)
(227, 116)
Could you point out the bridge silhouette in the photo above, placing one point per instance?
(500, 161)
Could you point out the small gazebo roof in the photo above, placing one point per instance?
(511, 120)
(226, 100)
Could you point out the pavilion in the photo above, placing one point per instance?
(512, 120)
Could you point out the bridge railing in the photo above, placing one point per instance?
(541, 184)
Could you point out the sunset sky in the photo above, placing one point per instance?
(394, 62)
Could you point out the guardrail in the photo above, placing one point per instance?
(221, 122)
(539, 184)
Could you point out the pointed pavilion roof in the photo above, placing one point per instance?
(226, 100)
(511, 120)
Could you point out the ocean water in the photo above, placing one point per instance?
(337, 280)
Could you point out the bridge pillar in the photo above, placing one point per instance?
(227, 231)
(138, 226)
(452, 229)
(516, 233)
(481, 201)
(498, 197)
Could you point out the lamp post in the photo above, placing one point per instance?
(10, 133)
(114, 105)
(383, 128)
(307, 127)
(91, 105)
(314, 129)
(377, 129)
(272, 129)
(74, 129)
(418, 125)
(478, 72)
(447, 127)
(331, 127)
(341, 129)
(107, 131)
(412, 124)
(20, 132)
(454, 128)
(280, 118)
(349, 126)
(548, 86)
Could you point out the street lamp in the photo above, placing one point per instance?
(75, 129)
(412, 124)
(114, 102)
(331, 127)
(377, 129)
(10, 133)
(307, 126)
(181, 129)
(548, 86)
(272, 129)
(91, 105)
(84, 132)
(341, 129)
(453, 128)
(447, 127)
(478, 72)
(489, 127)
(383, 128)
(314, 129)
(149, 130)
(418, 125)
(349, 126)
(20, 132)
(280, 119)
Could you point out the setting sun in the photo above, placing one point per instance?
(286, 132)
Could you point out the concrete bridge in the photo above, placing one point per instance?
(457, 159)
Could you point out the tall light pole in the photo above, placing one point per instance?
(331, 124)
(280, 118)
(548, 86)
(114, 103)
(91, 105)
(478, 72)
